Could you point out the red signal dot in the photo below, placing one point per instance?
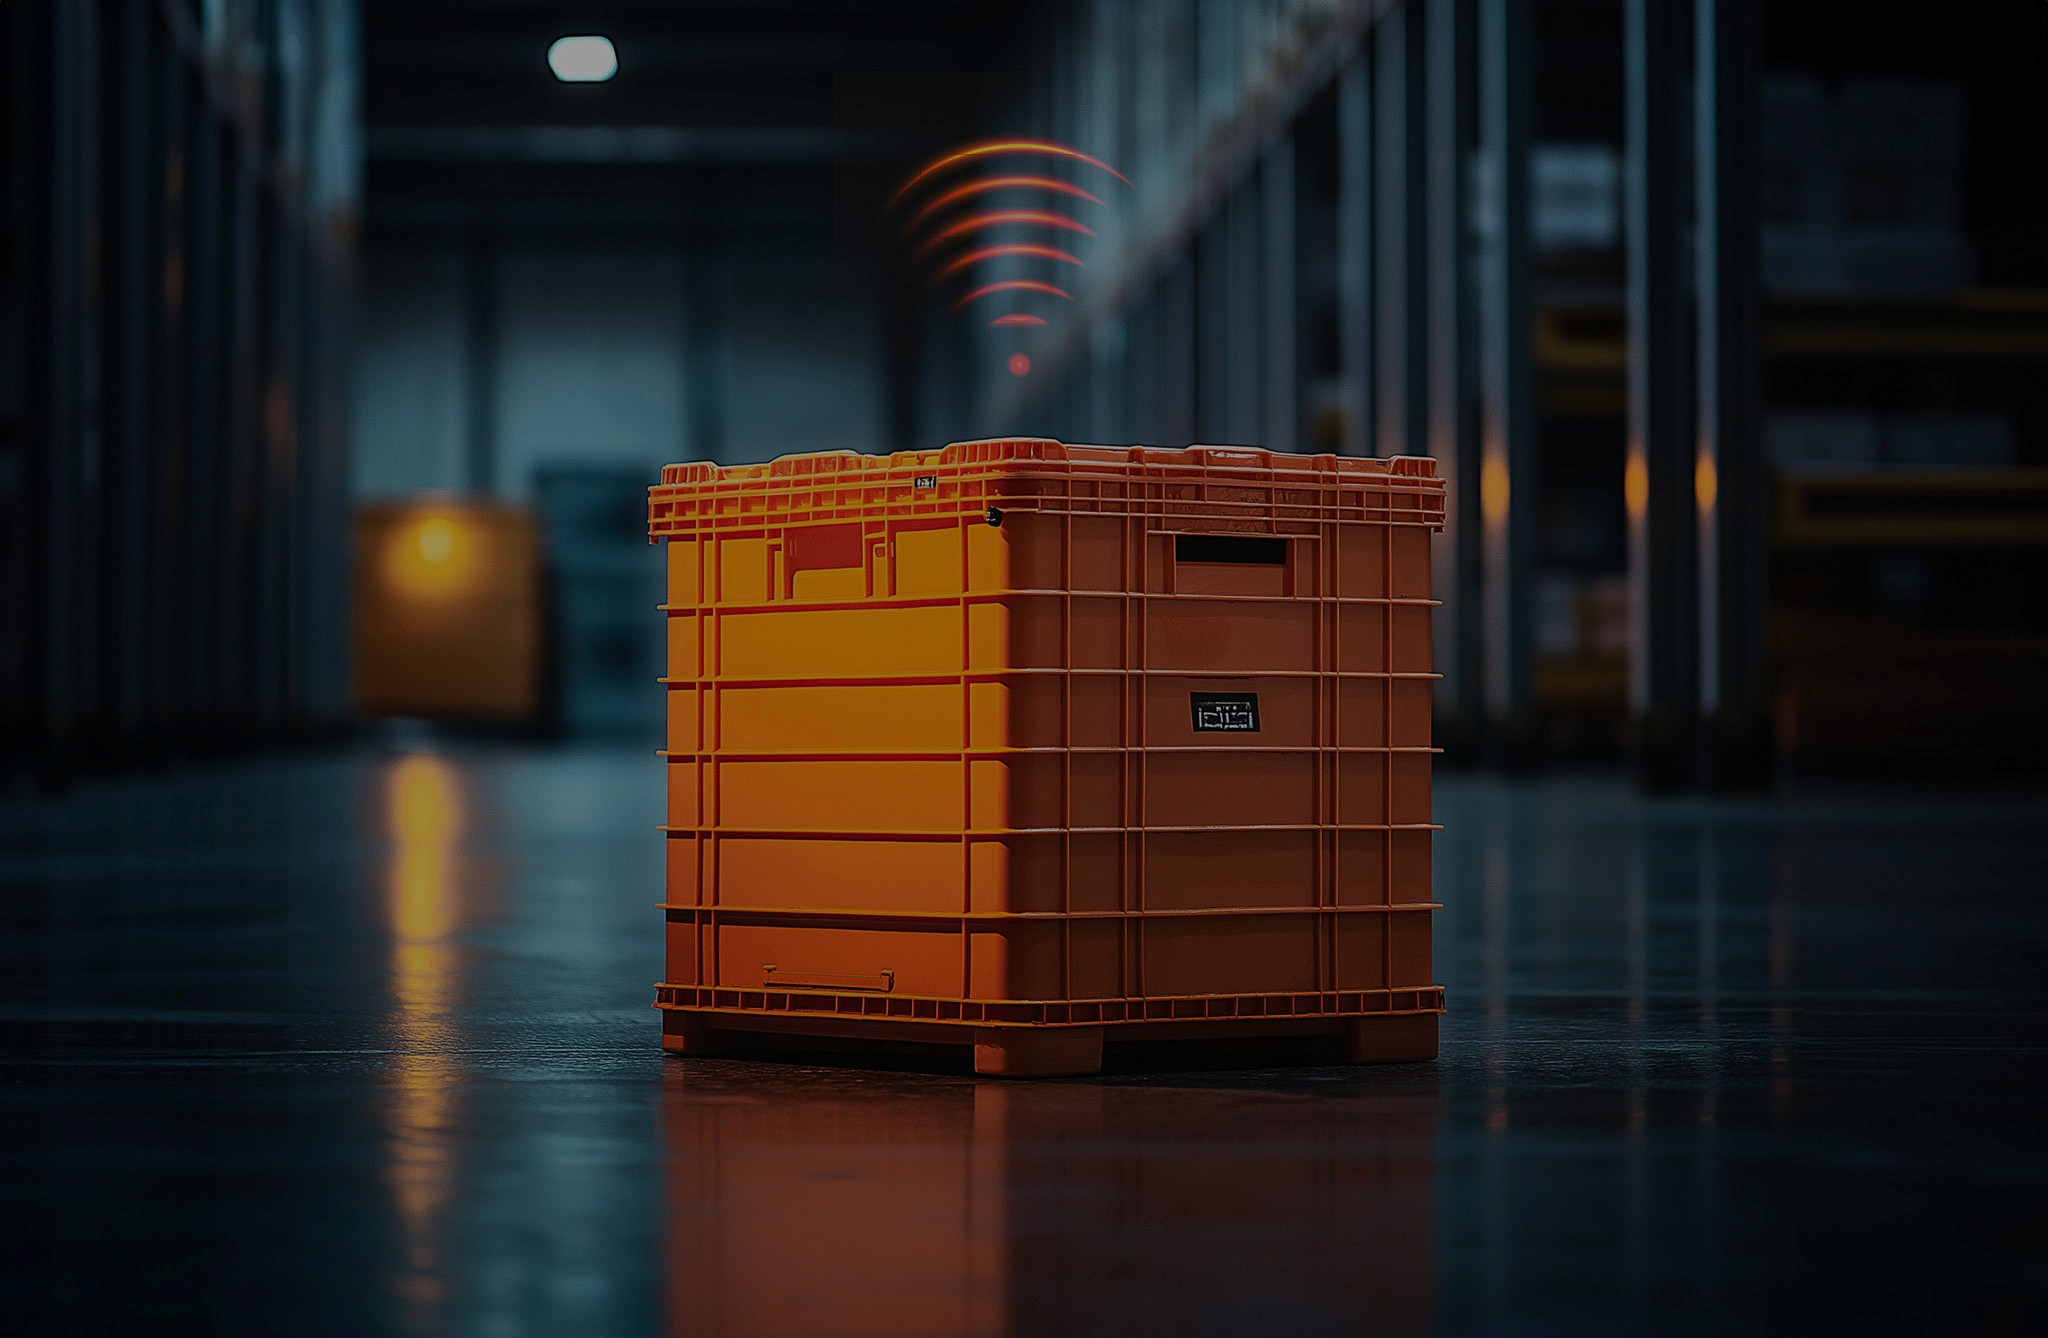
(1019, 365)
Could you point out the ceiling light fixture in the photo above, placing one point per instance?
(583, 60)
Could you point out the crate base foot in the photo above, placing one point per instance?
(1389, 1040)
(1049, 1052)
(689, 1034)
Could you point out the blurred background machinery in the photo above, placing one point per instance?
(605, 583)
(1725, 320)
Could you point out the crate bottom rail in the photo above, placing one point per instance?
(1050, 1037)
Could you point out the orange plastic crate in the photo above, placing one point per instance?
(1016, 742)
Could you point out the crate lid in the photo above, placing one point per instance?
(999, 452)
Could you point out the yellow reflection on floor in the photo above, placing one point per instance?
(424, 809)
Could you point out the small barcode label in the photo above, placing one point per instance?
(925, 481)
(1223, 712)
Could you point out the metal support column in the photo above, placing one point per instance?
(1211, 250)
(1148, 418)
(1071, 400)
(1109, 348)
(69, 449)
(1177, 351)
(1507, 433)
(240, 473)
(1453, 392)
(902, 367)
(171, 618)
(38, 192)
(1658, 482)
(1241, 337)
(481, 355)
(132, 407)
(19, 182)
(304, 611)
(707, 347)
(1400, 282)
(1281, 286)
(1354, 254)
(97, 476)
(1728, 473)
(276, 318)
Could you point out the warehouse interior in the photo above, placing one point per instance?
(342, 340)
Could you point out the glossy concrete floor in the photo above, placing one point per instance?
(360, 1043)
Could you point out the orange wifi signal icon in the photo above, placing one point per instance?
(954, 228)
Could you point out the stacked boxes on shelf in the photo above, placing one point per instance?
(1849, 440)
(1862, 187)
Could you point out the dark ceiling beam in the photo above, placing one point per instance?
(597, 14)
(767, 224)
(618, 144)
(429, 50)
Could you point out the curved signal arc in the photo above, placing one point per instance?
(1015, 286)
(1016, 318)
(1002, 146)
(987, 184)
(961, 262)
(999, 217)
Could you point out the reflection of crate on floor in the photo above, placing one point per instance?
(940, 768)
(602, 584)
(1040, 1208)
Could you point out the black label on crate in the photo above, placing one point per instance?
(925, 481)
(1225, 712)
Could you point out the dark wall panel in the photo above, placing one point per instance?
(171, 508)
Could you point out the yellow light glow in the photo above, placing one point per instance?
(1635, 487)
(432, 558)
(1706, 481)
(437, 539)
(1493, 491)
